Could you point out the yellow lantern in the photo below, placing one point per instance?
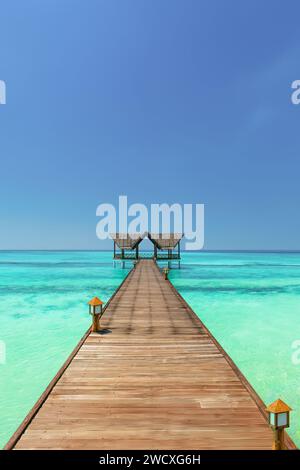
(166, 272)
(96, 311)
(279, 419)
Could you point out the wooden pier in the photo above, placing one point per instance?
(155, 378)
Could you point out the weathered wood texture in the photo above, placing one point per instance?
(155, 379)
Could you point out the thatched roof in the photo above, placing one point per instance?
(127, 241)
(165, 241)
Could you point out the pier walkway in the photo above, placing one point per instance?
(155, 379)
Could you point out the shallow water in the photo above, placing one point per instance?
(43, 314)
(249, 301)
(251, 304)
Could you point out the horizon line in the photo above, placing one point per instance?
(219, 250)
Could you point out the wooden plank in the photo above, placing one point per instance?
(155, 379)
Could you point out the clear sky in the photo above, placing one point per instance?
(162, 100)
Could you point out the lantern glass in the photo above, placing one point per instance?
(272, 419)
(91, 309)
(282, 419)
(98, 309)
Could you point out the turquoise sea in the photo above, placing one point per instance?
(249, 301)
(43, 314)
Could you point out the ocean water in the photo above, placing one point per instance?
(43, 314)
(249, 301)
(251, 304)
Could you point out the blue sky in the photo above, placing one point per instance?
(161, 100)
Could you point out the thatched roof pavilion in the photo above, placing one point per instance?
(128, 244)
(127, 241)
(165, 241)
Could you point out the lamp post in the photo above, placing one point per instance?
(166, 272)
(96, 312)
(279, 419)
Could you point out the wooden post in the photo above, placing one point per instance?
(278, 443)
(114, 249)
(96, 323)
(137, 252)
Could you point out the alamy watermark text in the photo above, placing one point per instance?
(138, 219)
(2, 92)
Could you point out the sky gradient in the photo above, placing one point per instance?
(163, 101)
